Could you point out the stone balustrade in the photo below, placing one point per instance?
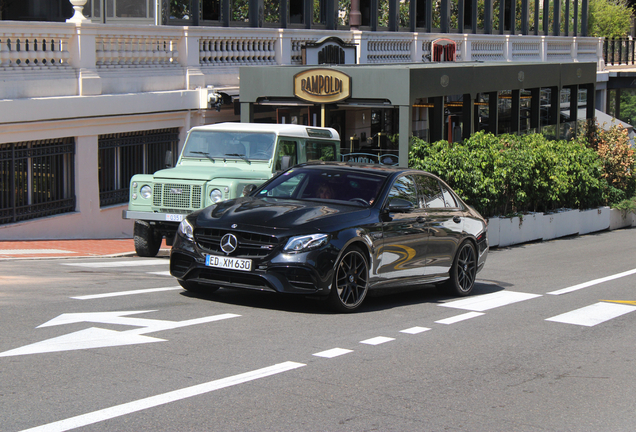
(105, 59)
(28, 47)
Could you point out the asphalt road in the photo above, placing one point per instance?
(546, 343)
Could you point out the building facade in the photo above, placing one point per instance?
(86, 103)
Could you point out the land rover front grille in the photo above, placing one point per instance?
(249, 244)
(174, 195)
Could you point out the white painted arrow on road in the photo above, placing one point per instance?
(95, 337)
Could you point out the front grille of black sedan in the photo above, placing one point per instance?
(231, 279)
(249, 244)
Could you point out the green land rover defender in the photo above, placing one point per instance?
(218, 162)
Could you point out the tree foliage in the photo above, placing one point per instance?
(506, 174)
(609, 18)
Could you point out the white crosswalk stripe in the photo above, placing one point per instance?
(115, 264)
(489, 301)
(592, 315)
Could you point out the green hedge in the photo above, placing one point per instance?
(506, 174)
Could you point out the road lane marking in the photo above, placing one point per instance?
(377, 340)
(415, 330)
(163, 273)
(125, 293)
(628, 302)
(33, 251)
(489, 301)
(458, 318)
(95, 337)
(110, 264)
(592, 282)
(334, 352)
(162, 399)
(592, 315)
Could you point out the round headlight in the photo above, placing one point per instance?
(146, 192)
(216, 195)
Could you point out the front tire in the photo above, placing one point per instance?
(147, 241)
(350, 282)
(464, 270)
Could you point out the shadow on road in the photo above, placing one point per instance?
(376, 300)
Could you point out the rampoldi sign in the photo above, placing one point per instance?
(322, 85)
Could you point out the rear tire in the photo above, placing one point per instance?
(464, 270)
(196, 287)
(147, 241)
(350, 281)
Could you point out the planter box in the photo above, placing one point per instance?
(561, 224)
(524, 229)
(620, 219)
(493, 231)
(594, 220)
(511, 231)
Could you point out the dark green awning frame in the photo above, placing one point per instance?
(400, 85)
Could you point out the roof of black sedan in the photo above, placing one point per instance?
(388, 169)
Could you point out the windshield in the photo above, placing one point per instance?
(227, 145)
(326, 184)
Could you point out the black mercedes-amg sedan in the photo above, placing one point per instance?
(337, 230)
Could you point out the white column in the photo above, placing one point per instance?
(543, 49)
(361, 40)
(188, 47)
(467, 50)
(86, 179)
(83, 58)
(283, 49)
(416, 48)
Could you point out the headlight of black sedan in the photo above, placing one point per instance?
(306, 243)
(186, 230)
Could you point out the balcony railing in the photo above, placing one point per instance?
(619, 51)
(40, 59)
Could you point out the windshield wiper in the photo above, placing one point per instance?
(204, 154)
(239, 155)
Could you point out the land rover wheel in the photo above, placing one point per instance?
(147, 241)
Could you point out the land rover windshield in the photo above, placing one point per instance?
(226, 145)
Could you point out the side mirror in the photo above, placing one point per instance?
(168, 159)
(249, 189)
(399, 205)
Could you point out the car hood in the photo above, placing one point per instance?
(275, 215)
(207, 173)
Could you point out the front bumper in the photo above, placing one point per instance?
(309, 273)
(151, 216)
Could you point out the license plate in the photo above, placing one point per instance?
(174, 217)
(228, 263)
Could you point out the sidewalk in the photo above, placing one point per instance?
(70, 248)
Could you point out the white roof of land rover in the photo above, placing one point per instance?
(279, 129)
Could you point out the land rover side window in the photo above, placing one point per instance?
(430, 192)
(287, 154)
(404, 188)
(321, 150)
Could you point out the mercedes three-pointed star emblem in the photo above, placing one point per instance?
(229, 243)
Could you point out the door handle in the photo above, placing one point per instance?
(457, 219)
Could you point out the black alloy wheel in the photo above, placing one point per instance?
(464, 270)
(351, 281)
